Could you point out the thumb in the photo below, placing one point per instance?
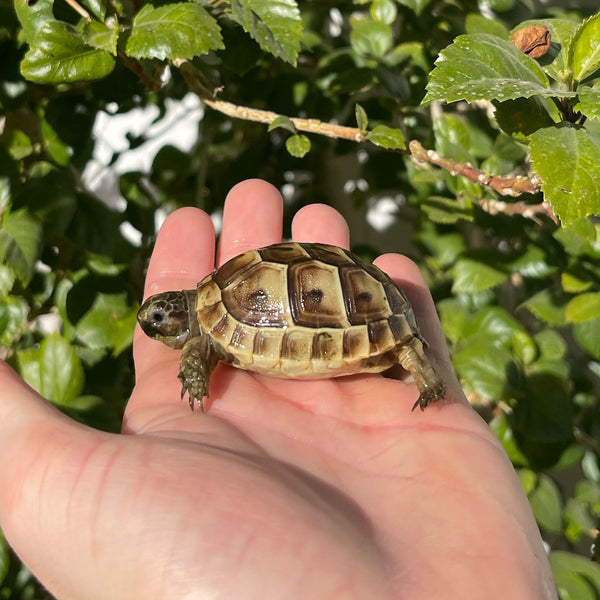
(44, 485)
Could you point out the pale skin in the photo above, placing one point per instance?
(283, 489)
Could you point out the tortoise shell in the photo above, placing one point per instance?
(292, 310)
(305, 311)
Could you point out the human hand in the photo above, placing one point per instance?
(284, 489)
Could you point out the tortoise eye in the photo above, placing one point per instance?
(158, 316)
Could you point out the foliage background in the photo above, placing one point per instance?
(518, 295)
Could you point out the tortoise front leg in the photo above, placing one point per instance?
(198, 361)
(412, 357)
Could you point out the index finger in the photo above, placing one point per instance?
(183, 254)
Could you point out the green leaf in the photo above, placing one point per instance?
(108, 324)
(501, 429)
(524, 348)
(546, 503)
(60, 54)
(102, 36)
(298, 145)
(33, 17)
(493, 325)
(576, 577)
(53, 369)
(387, 137)
(283, 122)
(180, 30)
(523, 116)
(589, 102)
(584, 49)
(418, 6)
(485, 67)
(97, 8)
(574, 284)
(275, 24)
(19, 144)
(361, 118)
(20, 242)
(453, 317)
(580, 238)
(547, 306)
(471, 276)
(370, 38)
(567, 159)
(446, 211)
(57, 149)
(5, 555)
(583, 307)
(528, 479)
(384, 11)
(532, 263)
(476, 23)
(587, 335)
(543, 418)
(484, 368)
(551, 344)
(13, 319)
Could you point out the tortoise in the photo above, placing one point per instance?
(294, 310)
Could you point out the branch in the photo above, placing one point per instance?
(507, 186)
(529, 211)
(266, 116)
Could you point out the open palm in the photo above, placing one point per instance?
(283, 489)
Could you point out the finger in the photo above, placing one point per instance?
(183, 254)
(252, 217)
(320, 223)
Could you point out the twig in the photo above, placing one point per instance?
(529, 211)
(507, 186)
(266, 116)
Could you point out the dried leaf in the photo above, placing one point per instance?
(534, 40)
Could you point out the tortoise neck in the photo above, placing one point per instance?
(194, 327)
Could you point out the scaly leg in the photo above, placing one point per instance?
(412, 357)
(198, 361)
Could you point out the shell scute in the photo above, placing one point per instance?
(315, 295)
(259, 297)
(380, 337)
(283, 253)
(364, 295)
(266, 349)
(234, 268)
(331, 255)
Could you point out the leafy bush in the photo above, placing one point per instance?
(476, 123)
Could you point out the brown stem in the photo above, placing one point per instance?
(507, 186)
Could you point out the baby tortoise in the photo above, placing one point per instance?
(301, 311)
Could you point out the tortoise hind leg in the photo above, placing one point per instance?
(198, 361)
(431, 386)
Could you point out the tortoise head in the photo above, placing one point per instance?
(166, 317)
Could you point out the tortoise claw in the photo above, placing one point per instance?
(193, 394)
(429, 396)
